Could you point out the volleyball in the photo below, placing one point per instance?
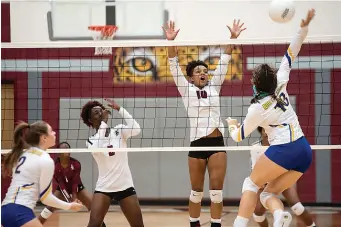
(282, 11)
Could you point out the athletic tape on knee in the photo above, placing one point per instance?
(298, 209)
(248, 185)
(259, 219)
(46, 213)
(216, 196)
(264, 196)
(196, 197)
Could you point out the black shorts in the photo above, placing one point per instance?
(118, 196)
(79, 189)
(206, 142)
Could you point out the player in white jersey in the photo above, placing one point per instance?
(290, 194)
(289, 154)
(32, 172)
(200, 96)
(114, 176)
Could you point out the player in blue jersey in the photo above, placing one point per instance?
(32, 171)
(289, 154)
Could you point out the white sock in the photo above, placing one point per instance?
(215, 220)
(312, 225)
(194, 219)
(277, 214)
(240, 222)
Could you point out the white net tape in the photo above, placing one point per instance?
(162, 43)
(174, 149)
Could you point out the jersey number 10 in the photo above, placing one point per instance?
(285, 103)
(202, 94)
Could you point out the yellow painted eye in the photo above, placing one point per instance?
(142, 64)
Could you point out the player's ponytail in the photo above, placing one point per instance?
(25, 136)
(19, 145)
(265, 81)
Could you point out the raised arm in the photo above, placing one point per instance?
(251, 122)
(132, 128)
(222, 67)
(293, 49)
(175, 69)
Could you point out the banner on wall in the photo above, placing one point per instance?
(150, 64)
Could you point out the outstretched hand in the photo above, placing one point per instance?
(236, 29)
(309, 17)
(170, 31)
(111, 103)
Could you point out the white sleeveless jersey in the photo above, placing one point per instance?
(31, 178)
(202, 105)
(279, 121)
(113, 170)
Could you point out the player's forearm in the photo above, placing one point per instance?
(53, 201)
(171, 51)
(296, 44)
(132, 126)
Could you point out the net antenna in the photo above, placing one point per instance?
(103, 32)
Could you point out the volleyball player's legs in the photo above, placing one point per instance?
(216, 169)
(100, 204)
(48, 211)
(33, 223)
(85, 197)
(293, 201)
(264, 171)
(197, 169)
(272, 202)
(131, 209)
(259, 213)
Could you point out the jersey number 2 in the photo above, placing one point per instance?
(285, 102)
(20, 163)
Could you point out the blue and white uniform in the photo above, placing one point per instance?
(31, 181)
(288, 146)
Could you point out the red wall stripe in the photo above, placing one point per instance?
(5, 22)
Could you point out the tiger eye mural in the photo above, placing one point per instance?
(150, 64)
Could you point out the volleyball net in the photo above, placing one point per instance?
(52, 81)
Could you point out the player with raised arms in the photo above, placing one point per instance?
(32, 171)
(69, 184)
(200, 96)
(289, 154)
(290, 194)
(114, 176)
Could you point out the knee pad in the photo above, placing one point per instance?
(259, 219)
(216, 196)
(264, 196)
(46, 213)
(298, 209)
(248, 185)
(196, 197)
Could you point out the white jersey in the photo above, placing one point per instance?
(256, 151)
(31, 181)
(279, 121)
(202, 105)
(113, 169)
